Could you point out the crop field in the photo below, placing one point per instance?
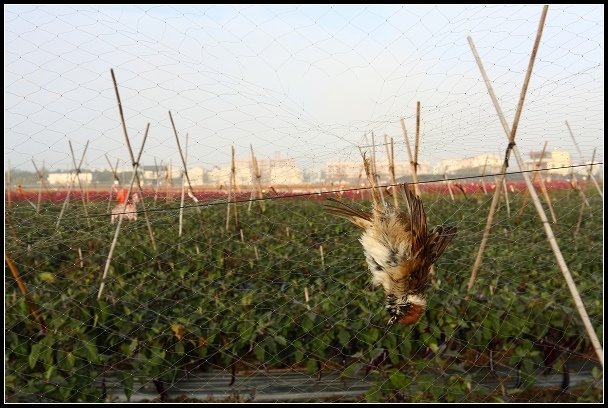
(288, 289)
(167, 172)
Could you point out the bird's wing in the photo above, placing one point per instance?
(438, 240)
(362, 219)
(417, 218)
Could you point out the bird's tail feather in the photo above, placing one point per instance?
(418, 218)
(438, 241)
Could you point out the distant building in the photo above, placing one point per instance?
(221, 176)
(285, 172)
(68, 178)
(557, 160)
(354, 171)
(474, 164)
(272, 171)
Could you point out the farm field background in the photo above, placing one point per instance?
(288, 289)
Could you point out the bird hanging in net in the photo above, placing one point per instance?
(399, 248)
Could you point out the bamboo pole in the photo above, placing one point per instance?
(134, 162)
(580, 154)
(390, 153)
(410, 157)
(168, 179)
(511, 136)
(445, 180)
(190, 189)
(181, 205)
(121, 214)
(575, 186)
(23, 289)
(483, 179)
(417, 136)
(322, 256)
(545, 192)
(71, 186)
(80, 258)
(548, 230)
(42, 184)
(157, 179)
(257, 176)
(77, 171)
(8, 186)
(534, 175)
(181, 154)
(375, 170)
(115, 181)
(580, 220)
(231, 193)
(234, 190)
(65, 201)
(504, 185)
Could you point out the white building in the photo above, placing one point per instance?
(491, 162)
(68, 178)
(221, 176)
(556, 162)
(272, 171)
(285, 174)
(353, 171)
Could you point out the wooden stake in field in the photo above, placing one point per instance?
(417, 145)
(537, 166)
(42, 183)
(8, 186)
(580, 219)
(390, 153)
(22, 288)
(168, 181)
(231, 201)
(256, 191)
(157, 172)
(77, 170)
(483, 179)
(375, 169)
(190, 189)
(545, 192)
(580, 154)
(322, 256)
(115, 181)
(410, 157)
(71, 186)
(122, 213)
(506, 190)
(550, 236)
(576, 187)
(181, 205)
(447, 182)
(134, 162)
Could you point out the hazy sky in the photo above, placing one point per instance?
(305, 81)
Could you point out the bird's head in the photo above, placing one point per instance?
(406, 309)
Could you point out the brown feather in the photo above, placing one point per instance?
(418, 220)
(361, 219)
(438, 241)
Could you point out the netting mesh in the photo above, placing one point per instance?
(270, 298)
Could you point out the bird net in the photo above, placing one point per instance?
(218, 276)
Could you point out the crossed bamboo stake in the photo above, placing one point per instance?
(580, 307)
(71, 185)
(41, 180)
